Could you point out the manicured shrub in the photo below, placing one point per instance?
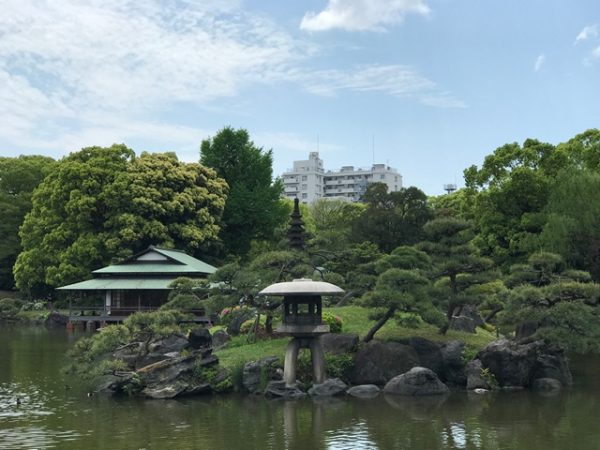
(334, 322)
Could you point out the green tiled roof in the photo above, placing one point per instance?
(98, 284)
(178, 262)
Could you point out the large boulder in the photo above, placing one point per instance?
(515, 364)
(453, 363)
(471, 312)
(329, 388)
(510, 363)
(257, 374)
(463, 323)
(552, 363)
(377, 362)
(233, 329)
(172, 343)
(429, 353)
(364, 391)
(220, 338)
(339, 343)
(200, 338)
(475, 376)
(56, 320)
(418, 381)
(278, 389)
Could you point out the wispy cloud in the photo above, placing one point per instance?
(590, 31)
(362, 15)
(396, 80)
(85, 63)
(539, 62)
(76, 73)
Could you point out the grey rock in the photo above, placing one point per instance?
(166, 371)
(278, 389)
(377, 362)
(113, 384)
(463, 323)
(418, 381)
(453, 363)
(200, 338)
(525, 330)
(552, 363)
(429, 354)
(339, 343)
(546, 384)
(172, 343)
(329, 388)
(220, 338)
(364, 391)
(236, 323)
(256, 373)
(518, 364)
(471, 312)
(56, 319)
(510, 362)
(474, 376)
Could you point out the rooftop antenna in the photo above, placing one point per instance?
(373, 147)
(317, 142)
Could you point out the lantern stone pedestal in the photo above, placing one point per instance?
(310, 340)
(303, 321)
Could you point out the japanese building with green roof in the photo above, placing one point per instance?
(139, 283)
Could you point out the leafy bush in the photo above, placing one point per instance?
(34, 306)
(10, 307)
(248, 324)
(227, 315)
(336, 366)
(334, 322)
(408, 320)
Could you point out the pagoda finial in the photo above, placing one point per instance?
(296, 229)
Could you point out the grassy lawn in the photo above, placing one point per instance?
(355, 320)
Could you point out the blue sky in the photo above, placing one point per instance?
(428, 86)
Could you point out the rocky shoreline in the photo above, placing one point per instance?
(179, 365)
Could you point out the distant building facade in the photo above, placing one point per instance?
(309, 182)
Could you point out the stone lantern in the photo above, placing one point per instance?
(303, 321)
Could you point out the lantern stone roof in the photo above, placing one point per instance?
(302, 286)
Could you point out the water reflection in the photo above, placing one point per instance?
(51, 416)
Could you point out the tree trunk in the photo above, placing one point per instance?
(347, 296)
(269, 323)
(381, 322)
(492, 314)
(444, 328)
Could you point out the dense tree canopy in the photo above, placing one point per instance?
(456, 262)
(392, 218)
(99, 204)
(18, 178)
(253, 208)
(509, 194)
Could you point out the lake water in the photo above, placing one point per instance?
(56, 413)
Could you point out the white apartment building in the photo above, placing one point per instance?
(309, 182)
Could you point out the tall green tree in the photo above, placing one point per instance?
(554, 303)
(511, 189)
(100, 204)
(333, 220)
(18, 178)
(457, 265)
(392, 219)
(400, 287)
(253, 208)
(573, 220)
